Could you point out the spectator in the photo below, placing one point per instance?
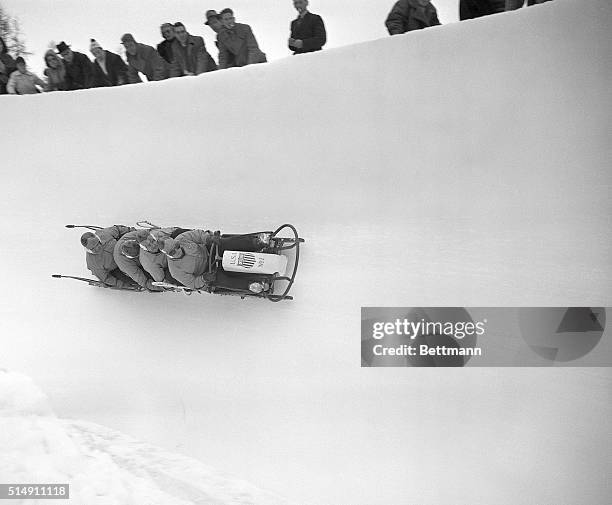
(55, 72)
(144, 59)
(22, 81)
(7, 66)
(307, 31)
(164, 48)
(237, 44)
(470, 9)
(190, 54)
(79, 69)
(214, 21)
(517, 4)
(408, 15)
(109, 68)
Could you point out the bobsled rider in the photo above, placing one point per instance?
(126, 255)
(230, 242)
(153, 261)
(188, 257)
(100, 246)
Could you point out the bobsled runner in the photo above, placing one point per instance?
(268, 273)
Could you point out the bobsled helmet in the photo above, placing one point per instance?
(130, 249)
(171, 248)
(91, 242)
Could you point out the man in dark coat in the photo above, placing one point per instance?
(237, 44)
(164, 48)
(144, 59)
(213, 20)
(190, 56)
(79, 69)
(307, 31)
(470, 9)
(408, 15)
(109, 68)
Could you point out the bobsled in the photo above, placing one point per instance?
(268, 273)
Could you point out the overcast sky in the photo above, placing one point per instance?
(76, 21)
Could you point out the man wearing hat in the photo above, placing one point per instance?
(144, 59)
(213, 20)
(307, 31)
(100, 247)
(126, 254)
(109, 68)
(22, 81)
(79, 69)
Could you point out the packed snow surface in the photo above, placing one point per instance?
(102, 466)
(464, 165)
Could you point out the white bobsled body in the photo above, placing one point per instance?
(254, 262)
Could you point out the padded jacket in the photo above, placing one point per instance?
(189, 269)
(103, 263)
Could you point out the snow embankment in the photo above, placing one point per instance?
(102, 466)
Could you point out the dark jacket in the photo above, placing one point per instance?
(9, 68)
(408, 15)
(470, 9)
(193, 57)
(238, 47)
(311, 31)
(147, 61)
(164, 49)
(116, 71)
(79, 73)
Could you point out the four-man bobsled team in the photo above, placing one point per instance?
(125, 257)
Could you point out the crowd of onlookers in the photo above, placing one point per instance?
(180, 53)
